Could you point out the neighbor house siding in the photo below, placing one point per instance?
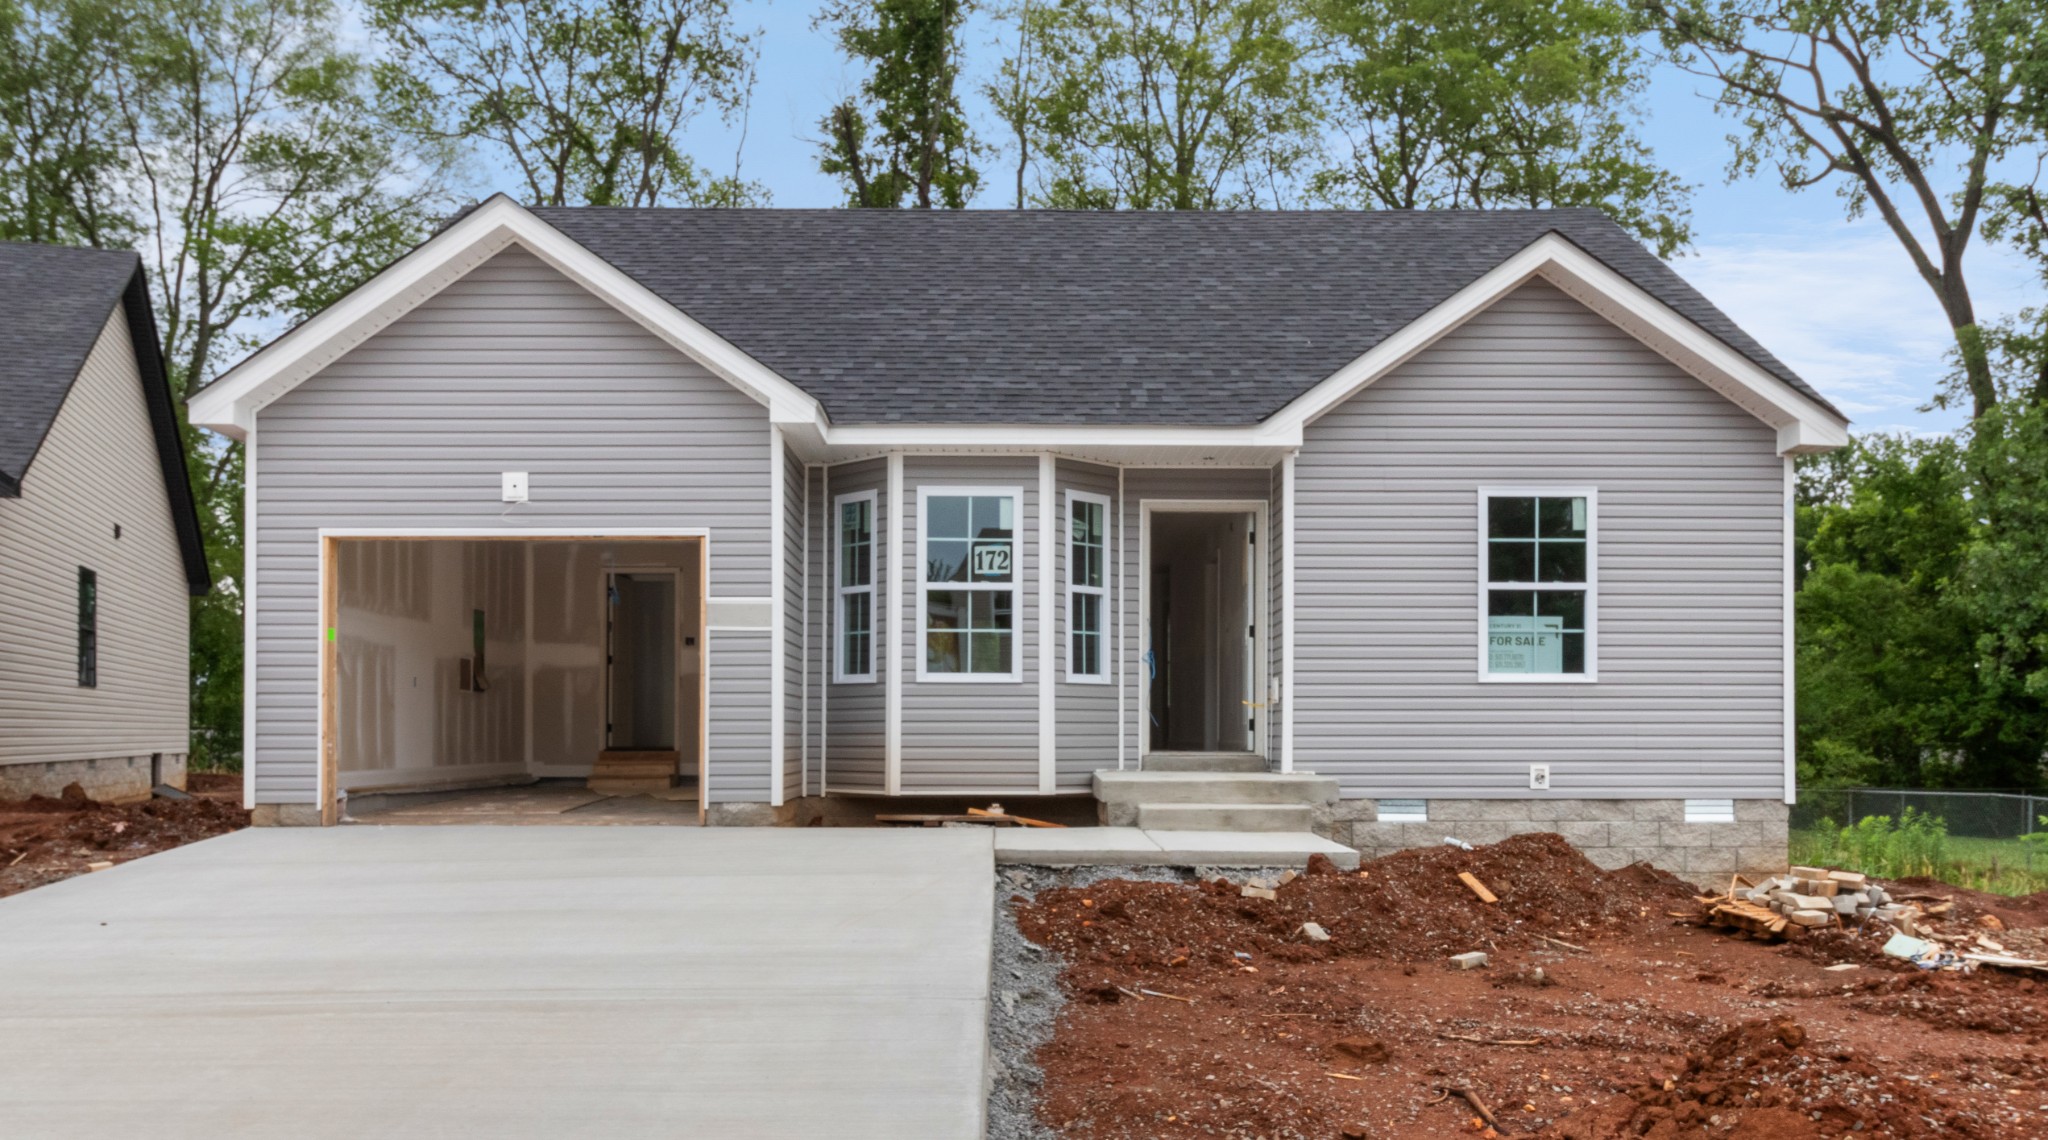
(1158, 483)
(97, 469)
(855, 744)
(512, 368)
(1689, 696)
(970, 736)
(1084, 714)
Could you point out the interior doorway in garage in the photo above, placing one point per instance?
(501, 678)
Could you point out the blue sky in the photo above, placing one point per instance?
(1836, 300)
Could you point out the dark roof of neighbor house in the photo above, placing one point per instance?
(54, 300)
(1051, 316)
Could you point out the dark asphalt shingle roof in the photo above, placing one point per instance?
(1045, 316)
(54, 300)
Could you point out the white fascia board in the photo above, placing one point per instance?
(229, 404)
(1040, 437)
(1802, 424)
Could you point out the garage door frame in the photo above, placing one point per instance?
(330, 648)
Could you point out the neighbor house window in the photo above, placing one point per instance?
(1087, 571)
(967, 616)
(88, 628)
(856, 588)
(1537, 592)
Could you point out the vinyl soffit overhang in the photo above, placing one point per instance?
(229, 405)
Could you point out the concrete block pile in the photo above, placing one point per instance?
(1813, 896)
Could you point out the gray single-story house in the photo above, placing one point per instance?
(1483, 515)
(100, 550)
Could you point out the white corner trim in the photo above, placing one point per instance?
(1286, 538)
(886, 615)
(778, 591)
(1123, 728)
(230, 403)
(1791, 699)
(1048, 629)
(252, 535)
(1803, 424)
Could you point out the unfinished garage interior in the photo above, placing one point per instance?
(570, 667)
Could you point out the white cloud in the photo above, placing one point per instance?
(1841, 304)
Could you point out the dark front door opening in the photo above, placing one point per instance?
(1201, 632)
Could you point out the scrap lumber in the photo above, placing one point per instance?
(1478, 888)
(1016, 819)
(938, 819)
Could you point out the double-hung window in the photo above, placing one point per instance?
(88, 628)
(854, 652)
(1087, 574)
(1537, 584)
(967, 584)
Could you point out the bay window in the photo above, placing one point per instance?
(854, 562)
(1087, 575)
(1537, 584)
(967, 584)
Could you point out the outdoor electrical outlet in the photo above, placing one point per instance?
(1539, 777)
(513, 486)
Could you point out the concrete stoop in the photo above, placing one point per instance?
(1216, 801)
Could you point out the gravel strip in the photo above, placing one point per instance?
(1024, 991)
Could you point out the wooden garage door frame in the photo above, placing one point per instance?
(330, 648)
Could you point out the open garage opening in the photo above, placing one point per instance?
(502, 679)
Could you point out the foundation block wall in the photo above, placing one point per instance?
(109, 780)
(1612, 833)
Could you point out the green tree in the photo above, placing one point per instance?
(589, 100)
(1908, 108)
(1160, 104)
(1885, 666)
(58, 162)
(919, 145)
(2004, 582)
(1477, 103)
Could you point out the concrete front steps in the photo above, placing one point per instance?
(1226, 817)
(1202, 762)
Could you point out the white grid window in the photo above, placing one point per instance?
(1087, 593)
(968, 584)
(1537, 584)
(854, 575)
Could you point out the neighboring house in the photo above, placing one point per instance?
(99, 544)
(1445, 506)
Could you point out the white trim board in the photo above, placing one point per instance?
(1048, 647)
(229, 405)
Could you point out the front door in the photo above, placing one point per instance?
(640, 658)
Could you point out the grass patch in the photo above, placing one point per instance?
(1917, 844)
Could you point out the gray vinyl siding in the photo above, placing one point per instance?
(515, 368)
(855, 715)
(1084, 714)
(792, 619)
(1141, 484)
(817, 542)
(97, 468)
(970, 737)
(1689, 700)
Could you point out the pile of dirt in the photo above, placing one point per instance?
(1200, 1009)
(1760, 1081)
(44, 839)
(1405, 907)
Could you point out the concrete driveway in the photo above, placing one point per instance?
(506, 982)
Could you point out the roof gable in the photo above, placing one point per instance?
(54, 303)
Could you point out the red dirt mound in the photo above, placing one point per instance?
(44, 839)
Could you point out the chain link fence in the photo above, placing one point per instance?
(1968, 816)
